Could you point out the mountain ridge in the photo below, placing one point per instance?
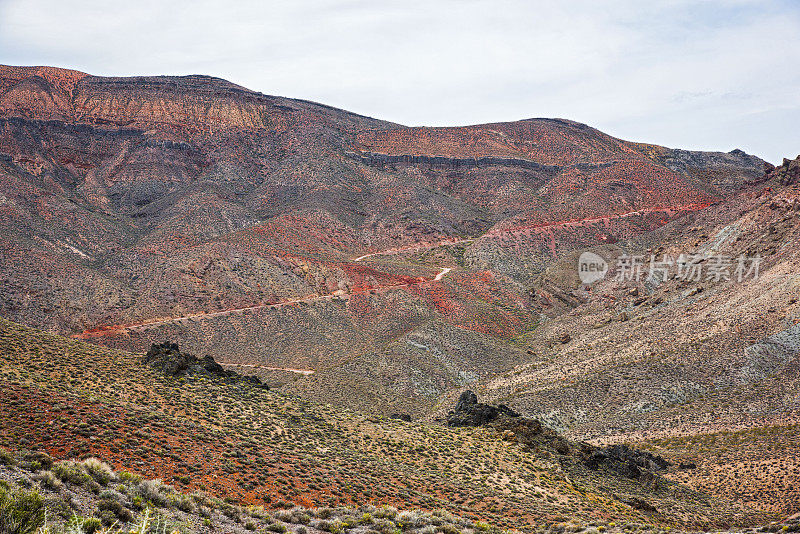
(131, 200)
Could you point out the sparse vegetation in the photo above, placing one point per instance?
(21, 512)
(276, 451)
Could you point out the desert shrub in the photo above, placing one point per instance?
(41, 458)
(229, 511)
(21, 512)
(301, 518)
(384, 526)
(386, 512)
(182, 502)
(277, 527)
(323, 525)
(101, 472)
(48, 480)
(259, 512)
(84, 525)
(152, 491)
(71, 472)
(296, 516)
(93, 486)
(410, 520)
(6, 458)
(110, 494)
(107, 518)
(127, 476)
(116, 508)
(323, 513)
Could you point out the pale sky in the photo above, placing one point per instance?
(705, 75)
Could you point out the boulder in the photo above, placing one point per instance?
(469, 412)
(643, 459)
(467, 400)
(168, 358)
(787, 173)
(211, 365)
(626, 462)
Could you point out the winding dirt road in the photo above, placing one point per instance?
(113, 330)
(305, 372)
(537, 227)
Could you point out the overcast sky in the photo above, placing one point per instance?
(712, 75)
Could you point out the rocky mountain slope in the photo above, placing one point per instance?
(237, 441)
(705, 366)
(354, 260)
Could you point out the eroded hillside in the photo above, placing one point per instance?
(392, 262)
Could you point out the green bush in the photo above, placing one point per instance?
(21, 512)
(42, 459)
(71, 472)
(87, 525)
(6, 458)
(48, 480)
(100, 471)
(116, 508)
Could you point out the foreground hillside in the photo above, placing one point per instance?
(234, 439)
(87, 497)
(275, 233)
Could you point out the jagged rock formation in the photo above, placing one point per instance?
(617, 460)
(787, 173)
(627, 462)
(170, 360)
(469, 412)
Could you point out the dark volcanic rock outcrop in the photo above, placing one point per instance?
(615, 460)
(627, 462)
(469, 412)
(168, 358)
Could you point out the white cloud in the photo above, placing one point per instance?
(708, 74)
